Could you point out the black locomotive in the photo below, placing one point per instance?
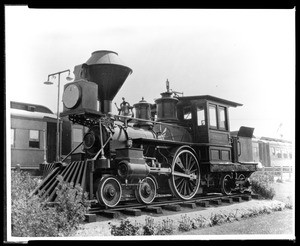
(181, 145)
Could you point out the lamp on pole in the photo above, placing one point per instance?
(48, 82)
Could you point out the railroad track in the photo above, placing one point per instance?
(168, 203)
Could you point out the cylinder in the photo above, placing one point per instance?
(129, 170)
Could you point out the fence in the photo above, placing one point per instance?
(279, 171)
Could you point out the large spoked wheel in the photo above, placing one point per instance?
(185, 177)
(109, 191)
(227, 184)
(242, 177)
(146, 191)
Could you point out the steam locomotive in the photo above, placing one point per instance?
(180, 145)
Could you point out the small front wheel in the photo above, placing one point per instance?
(146, 191)
(109, 191)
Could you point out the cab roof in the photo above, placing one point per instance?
(209, 98)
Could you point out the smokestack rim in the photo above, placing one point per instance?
(102, 57)
(108, 51)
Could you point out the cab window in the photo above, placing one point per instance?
(200, 116)
(222, 121)
(213, 115)
(187, 113)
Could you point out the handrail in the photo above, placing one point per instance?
(143, 120)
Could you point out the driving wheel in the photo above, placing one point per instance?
(185, 176)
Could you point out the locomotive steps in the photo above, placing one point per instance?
(166, 207)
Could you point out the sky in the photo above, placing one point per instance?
(245, 56)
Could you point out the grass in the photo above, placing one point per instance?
(273, 223)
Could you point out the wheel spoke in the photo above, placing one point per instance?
(191, 186)
(192, 165)
(187, 164)
(179, 163)
(185, 188)
(188, 187)
(192, 182)
(194, 170)
(177, 177)
(182, 186)
(180, 182)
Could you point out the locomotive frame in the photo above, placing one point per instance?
(186, 150)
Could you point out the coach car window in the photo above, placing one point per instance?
(200, 116)
(273, 151)
(279, 153)
(34, 139)
(12, 137)
(213, 115)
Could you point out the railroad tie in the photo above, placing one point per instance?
(110, 214)
(132, 211)
(216, 202)
(237, 199)
(255, 196)
(89, 218)
(202, 203)
(226, 199)
(172, 207)
(151, 209)
(246, 198)
(188, 205)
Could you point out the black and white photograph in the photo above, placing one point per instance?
(149, 124)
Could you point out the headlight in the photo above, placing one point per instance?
(71, 96)
(89, 140)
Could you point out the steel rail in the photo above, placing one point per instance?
(174, 201)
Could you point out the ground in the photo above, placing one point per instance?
(285, 191)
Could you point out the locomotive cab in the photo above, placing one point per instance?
(208, 118)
